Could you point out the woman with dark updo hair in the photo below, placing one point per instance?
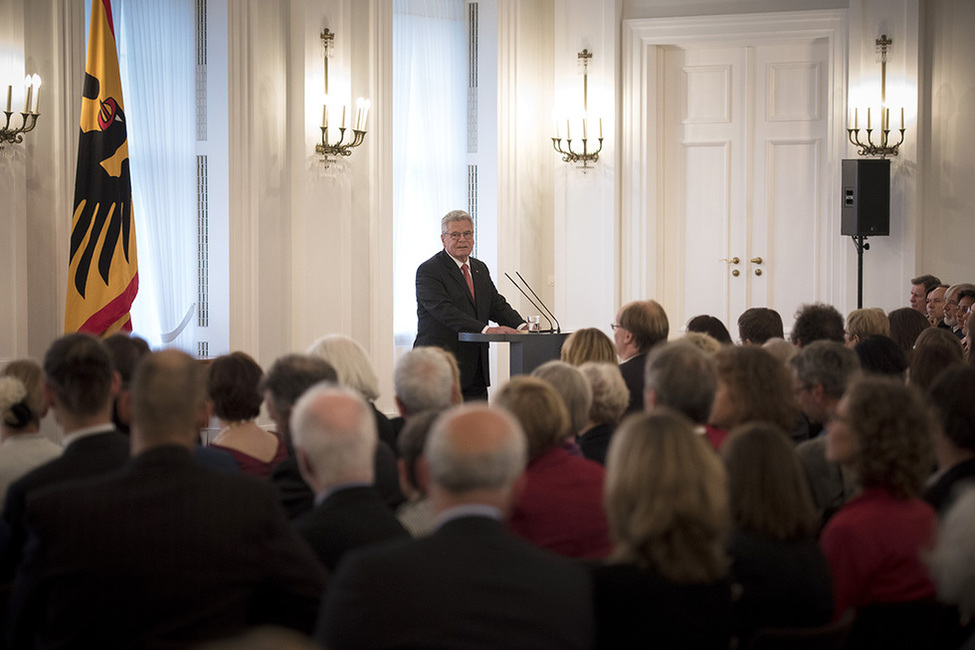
(22, 405)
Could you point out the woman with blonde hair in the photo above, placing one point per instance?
(588, 344)
(22, 405)
(560, 504)
(666, 584)
(782, 573)
(861, 323)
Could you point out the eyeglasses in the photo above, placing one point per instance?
(615, 326)
(456, 236)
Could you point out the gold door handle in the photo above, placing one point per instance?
(733, 260)
(758, 271)
(736, 273)
(756, 260)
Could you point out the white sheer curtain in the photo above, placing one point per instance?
(157, 63)
(429, 139)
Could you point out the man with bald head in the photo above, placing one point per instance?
(471, 583)
(334, 434)
(639, 326)
(163, 553)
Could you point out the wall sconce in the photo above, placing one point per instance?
(329, 151)
(883, 148)
(32, 88)
(585, 156)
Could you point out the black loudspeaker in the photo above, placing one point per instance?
(866, 197)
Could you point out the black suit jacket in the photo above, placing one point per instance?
(444, 308)
(347, 519)
(89, 456)
(471, 584)
(164, 553)
(632, 371)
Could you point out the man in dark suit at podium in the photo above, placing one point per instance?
(455, 293)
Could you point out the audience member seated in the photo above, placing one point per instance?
(667, 583)
(416, 513)
(782, 573)
(921, 286)
(609, 400)
(935, 306)
(880, 355)
(639, 326)
(877, 542)
(334, 434)
(127, 352)
(936, 351)
(953, 569)
(966, 342)
(822, 371)
(575, 391)
(354, 370)
(588, 344)
(954, 435)
(470, 584)
(861, 323)
(906, 324)
(704, 342)
(456, 393)
(781, 349)
(232, 382)
(424, 380)
(559, 506)
(164, 552)
(754, 386)
(80, 383)
(22, 406)
(681, 377)
(286, 381)
(815, 322)
(710, 325)
(952, 305)
(757, 325)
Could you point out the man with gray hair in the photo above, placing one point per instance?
(822, 370)
(681, 376)
(471, 583)
(334, 434)
(423, 381)
(454, 294)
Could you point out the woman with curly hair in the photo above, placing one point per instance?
(876, 543)
(666, 584)
(753, 386)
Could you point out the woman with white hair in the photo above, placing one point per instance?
(354, 370)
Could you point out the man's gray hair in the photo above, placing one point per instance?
(333, 446)
(455, 215)
(683, 377)
(574, 389)
(423, 380)
(610, 396)
(459, 470)
(826, 363)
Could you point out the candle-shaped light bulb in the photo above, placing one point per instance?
(568, 131)
(37, 93)
(557, 129)
(886, 119)
(343, 116)
(600, 128)
(366, 105)
(902, 118)
(358, 115)
(10, 96)
(325, 115)
(27, 89)
(868, 118)
(585, 131)
(856, 119)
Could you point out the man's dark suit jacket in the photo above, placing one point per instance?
(444, 308)
(471, 584)
(632, 371)
(163, 553)
(348, 518)
(88, 456)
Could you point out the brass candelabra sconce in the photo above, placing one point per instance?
(884, 147)
(570, 155)
(331, 149)
(15, 135)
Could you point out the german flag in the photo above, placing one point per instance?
(103, 274)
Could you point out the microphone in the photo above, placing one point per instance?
(559, 327)
(529, 299)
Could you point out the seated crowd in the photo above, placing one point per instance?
(639, 492)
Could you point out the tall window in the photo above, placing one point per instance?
(430, 139)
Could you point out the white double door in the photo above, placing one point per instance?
(746, 178)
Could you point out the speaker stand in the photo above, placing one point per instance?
(860, 242)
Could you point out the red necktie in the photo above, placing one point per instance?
(467, 276)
